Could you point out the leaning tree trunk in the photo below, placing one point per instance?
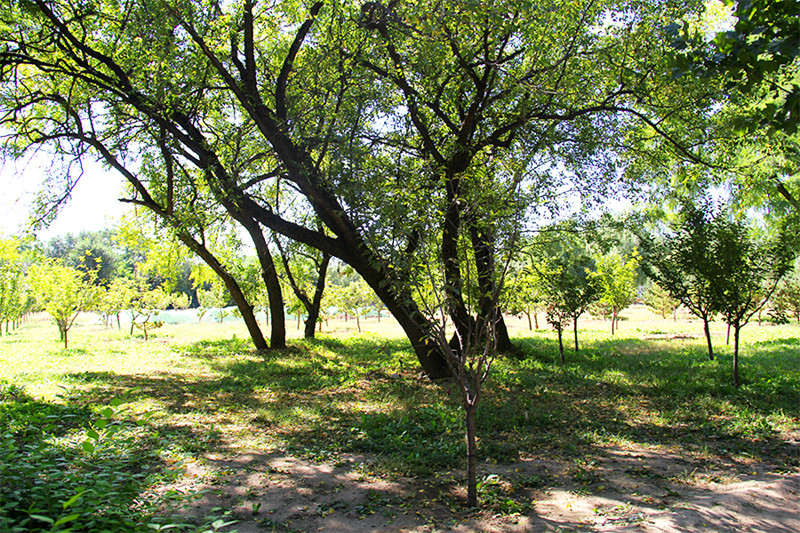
(233, 287)
(269, 275)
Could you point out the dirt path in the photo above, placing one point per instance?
(620, 489)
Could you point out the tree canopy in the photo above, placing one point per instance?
(391, 124)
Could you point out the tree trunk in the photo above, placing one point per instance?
(233, 287)
(530, 325)
(358, 323)
(736, 329)
(269, 275)
(472, 455)
(707, 331)
(536, 320)
(311, 325)
(313, 306)
(483, 248)
(559, 329)
(575, 331)
(613, 319)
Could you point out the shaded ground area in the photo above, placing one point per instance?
(628, 488)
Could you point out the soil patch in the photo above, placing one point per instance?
(623, 489)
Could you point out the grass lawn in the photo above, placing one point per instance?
(120, 415)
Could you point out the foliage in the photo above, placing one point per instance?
(15, 299)
(749, 273)
(660, 301)
(714, 263)
(356, 299)
(522, 294)
(215, 298)
(787, 294)
(682, 260)
(64, 292)
(616, 277)
(758, 55)
(391, 123)
(563, 272)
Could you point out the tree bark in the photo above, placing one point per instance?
(575, 331)
(269, 275)
(707, 331)
(736, 329)
(483, 248)
(472, 455)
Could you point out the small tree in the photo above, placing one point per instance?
(559, 318)
(747, 277)
(682, 262)
(616, 278)
(356, 300)
(145, 306)
(787, 295)
(64, 292)
(13, 283)
(659, 301)
(523, 295)
(215, 299)
(117, 297)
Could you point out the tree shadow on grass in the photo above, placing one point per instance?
(334, 396)
(644, 391)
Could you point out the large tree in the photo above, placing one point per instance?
(339, 108)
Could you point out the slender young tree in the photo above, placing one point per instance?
(63, 292)
(682, 261)
(748, 275)
(616, 278)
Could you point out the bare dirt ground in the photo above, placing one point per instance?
(621, 489)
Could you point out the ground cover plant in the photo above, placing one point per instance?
(342, 430)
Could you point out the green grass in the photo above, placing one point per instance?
(192, 389)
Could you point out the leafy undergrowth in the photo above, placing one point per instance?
(65, 467)
(74, 462)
